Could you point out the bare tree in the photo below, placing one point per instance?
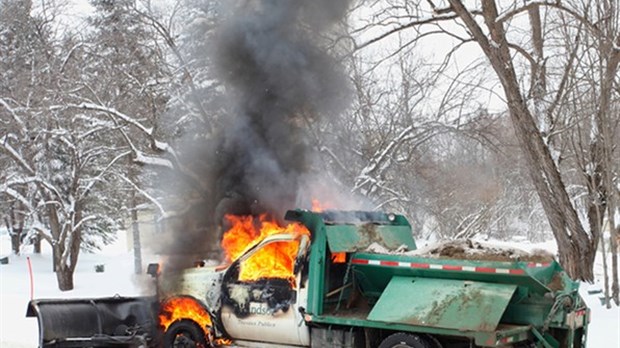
(393, 147)
(66, 149)
(531, 107)
(24, 46)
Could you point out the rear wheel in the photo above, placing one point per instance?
(184, 334)
(433, 342)
(404, 340)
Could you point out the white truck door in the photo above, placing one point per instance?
(267, 310)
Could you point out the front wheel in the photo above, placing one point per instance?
(184, 334)
(404, 340)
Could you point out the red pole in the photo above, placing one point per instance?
(31, 278)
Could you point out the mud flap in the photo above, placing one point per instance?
(443, 303)
(102, 322)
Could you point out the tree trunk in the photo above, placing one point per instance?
(76, 242)
(55, 258)
(605, 117)
(37, 244)
(65, 268)
(605, 275)
(576, 251)
(15, 227)
(64, 261)
(16, 237)
(135, 228)
(615, 293)
(57, 246)
(613, 241)
(597, 197)
(64, 275)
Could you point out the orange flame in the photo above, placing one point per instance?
(184, 308)
(339, 257)
(275, 260)
(317, 206)
(223, 342)
(321, 206)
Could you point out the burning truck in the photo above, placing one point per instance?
(335, 279)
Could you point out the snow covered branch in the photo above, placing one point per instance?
(4, 144)
(153, 161)
(101, 173)
(13, 113)
(382, 155)
(148, 131)
(16, 195)
(146, 195)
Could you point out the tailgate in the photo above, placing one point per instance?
(444, 303)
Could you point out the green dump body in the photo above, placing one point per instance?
(490, 303)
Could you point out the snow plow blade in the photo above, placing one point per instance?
(102, 322)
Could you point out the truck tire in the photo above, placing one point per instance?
(433, 342)
(184, 334)
(404, 340)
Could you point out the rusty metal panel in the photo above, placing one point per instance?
(443, 303)
(353, 238)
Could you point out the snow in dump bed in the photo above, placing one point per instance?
(466, 249)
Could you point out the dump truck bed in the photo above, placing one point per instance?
(374, 271)
(493, 303)
(459, 290)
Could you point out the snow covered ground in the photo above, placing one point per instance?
(17, 331)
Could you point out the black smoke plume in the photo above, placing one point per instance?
(277, 78)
